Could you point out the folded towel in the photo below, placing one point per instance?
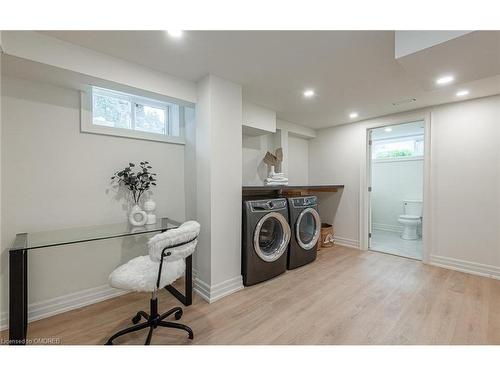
(276, 183)
(273, 175)
(273, 178)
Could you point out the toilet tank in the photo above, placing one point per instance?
(412, 207)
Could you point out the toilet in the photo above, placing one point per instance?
(411, 219)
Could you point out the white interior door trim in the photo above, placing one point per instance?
(364, 198)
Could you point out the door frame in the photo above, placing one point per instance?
(364, 206)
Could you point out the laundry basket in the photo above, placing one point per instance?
(326, 236)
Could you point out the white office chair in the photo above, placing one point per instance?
(164, 264)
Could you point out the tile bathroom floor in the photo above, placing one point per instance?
(391, 243)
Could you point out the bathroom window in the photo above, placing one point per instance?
(123, 114)
(398, 148)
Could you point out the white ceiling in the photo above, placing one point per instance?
(349, 70)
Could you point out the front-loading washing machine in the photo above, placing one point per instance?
(265, 238)
(305, 226)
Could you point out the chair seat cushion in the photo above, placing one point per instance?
(140, 274)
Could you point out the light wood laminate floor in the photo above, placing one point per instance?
(346, 297)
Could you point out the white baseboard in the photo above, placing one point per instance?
(387, 227)
(212, 293)
(465, 266)
(346, 242)
(54, 306)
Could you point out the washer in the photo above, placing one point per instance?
(305, 224)
(265, 238)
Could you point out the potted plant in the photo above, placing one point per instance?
(137, 180)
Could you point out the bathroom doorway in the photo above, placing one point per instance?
(396, 185)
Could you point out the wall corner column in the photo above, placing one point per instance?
(218, 192)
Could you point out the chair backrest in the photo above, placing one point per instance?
(184, 236)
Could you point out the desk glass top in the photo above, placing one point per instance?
(35, 240)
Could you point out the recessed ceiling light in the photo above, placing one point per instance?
(175, 33)
(445, 80)
(388, 129)
(353, 115)
(308, 93)
(462, 93)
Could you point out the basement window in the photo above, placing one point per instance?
(400, 148)
(117, 113)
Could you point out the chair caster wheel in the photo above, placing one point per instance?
(109, 343)
(191, 336)
(136, 319)
(178, 315)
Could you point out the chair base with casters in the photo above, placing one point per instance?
(150, 273)
(153, 321)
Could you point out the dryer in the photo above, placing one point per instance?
(305, 225)
(265, 239)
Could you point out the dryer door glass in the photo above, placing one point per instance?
(271, 238)
(271, 235)
(308, 228)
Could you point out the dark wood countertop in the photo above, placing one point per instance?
(292, 188)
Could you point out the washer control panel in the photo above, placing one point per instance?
(305, 201)
(268, 205)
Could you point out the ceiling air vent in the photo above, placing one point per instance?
(404, 102)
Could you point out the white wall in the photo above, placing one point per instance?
(392, 183)
(298, 160)
(466, 181)
(190, 162)
(464, 175)
(296, 129)
(296, 165)
(293, 139)
(334, 158)
(254, 150)
(219, 181)
(257, 117)
(54, 177)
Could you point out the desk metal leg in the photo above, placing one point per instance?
(18, 297)
(187, 297)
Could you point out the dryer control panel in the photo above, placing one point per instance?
(305, 201)
(268, 205)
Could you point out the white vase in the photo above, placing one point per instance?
(149, 207)
(137, 217)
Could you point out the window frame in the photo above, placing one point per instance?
(87, 124)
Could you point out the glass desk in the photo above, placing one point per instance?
(37, 241)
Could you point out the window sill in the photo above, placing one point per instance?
(397, 160)
(134, 134)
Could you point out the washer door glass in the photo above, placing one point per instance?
(308, 228)
(271, 238)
